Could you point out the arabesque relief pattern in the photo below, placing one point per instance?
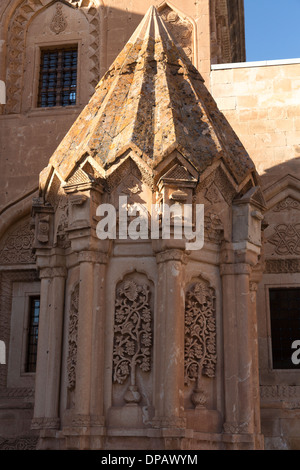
(18, 246)
(200, 332)
(72, 340)
(132, 334)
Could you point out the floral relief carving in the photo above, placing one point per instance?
(18, 246)
(132, 335)
(72, 341)
(200, 356)
(58, 23)
(286, 238)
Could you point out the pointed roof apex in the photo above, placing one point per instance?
(151, 26)
(152, 100)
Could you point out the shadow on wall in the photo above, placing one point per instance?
(277, 172)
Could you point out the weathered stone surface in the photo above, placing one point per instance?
(152, 100)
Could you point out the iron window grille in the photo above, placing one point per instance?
(33, 329)
(285, 325)
(58, 77)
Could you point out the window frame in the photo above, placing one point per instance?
(292, 366)
(38, 47)
(30, 299)
(56, 47)
(20, 312)
(268, 287)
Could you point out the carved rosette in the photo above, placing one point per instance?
(132, 335)
(200, 337)
(72, 340)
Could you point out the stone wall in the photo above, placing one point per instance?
(261, 102)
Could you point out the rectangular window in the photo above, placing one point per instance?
(285, 325)
(58, 77)
(33, 329)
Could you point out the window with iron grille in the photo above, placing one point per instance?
(33, 329)
(58, 77)
(285, 325)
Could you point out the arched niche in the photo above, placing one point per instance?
(29, 29)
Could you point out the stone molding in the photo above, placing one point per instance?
(279, 266)
(58, 271)
(45, 423)
(92, 257)
(79, 420)
(235, 268)
(171, 255)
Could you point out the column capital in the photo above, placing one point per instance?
(92, 257)
(235, 268)
(171, 255)
(50, 272)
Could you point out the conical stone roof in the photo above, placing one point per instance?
(152, 100)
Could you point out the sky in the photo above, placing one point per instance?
(272, 29)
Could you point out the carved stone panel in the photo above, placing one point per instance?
(282, 234)
(72, 339)
(59, 22)
(132, 346)
(286, 239)
(200, 356)
(17, 247)
(181, 30)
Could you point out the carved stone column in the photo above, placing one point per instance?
(169, 332)
(90, 342)
(240, 354)
(50, 347)
(42, 352)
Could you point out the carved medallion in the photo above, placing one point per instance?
(58, 23)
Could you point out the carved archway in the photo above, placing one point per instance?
(16, 42)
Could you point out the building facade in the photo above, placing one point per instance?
(146, 342)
